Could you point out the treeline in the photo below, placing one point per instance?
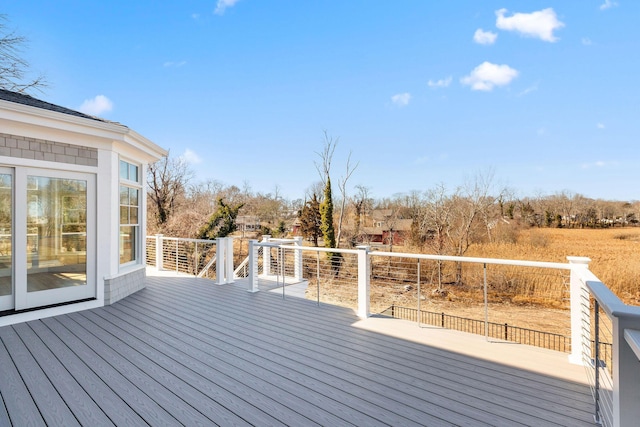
(441, 220)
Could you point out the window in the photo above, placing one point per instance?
(130, 191)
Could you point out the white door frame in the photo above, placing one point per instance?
(23, 298)
(7, 302)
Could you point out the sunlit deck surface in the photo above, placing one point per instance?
(184, 351)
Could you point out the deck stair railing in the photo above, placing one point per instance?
(274, 259)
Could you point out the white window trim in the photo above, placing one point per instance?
(128, 266)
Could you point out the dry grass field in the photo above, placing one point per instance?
(525, 297)
(614, 253)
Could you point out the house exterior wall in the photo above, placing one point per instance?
(118, 287)
(52, 151)
(32, 137)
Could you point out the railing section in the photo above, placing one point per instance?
(613, 370)
(605, 332)
(191, 256)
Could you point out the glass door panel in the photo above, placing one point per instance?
(6, 240)
(56, 233)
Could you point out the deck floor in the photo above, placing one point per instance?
(184, 351)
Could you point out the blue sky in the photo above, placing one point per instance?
(545, 94)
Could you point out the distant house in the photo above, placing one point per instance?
(386, 228)
(296, 227)
(72, 209)
(248, 224)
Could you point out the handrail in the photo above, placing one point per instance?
(309, 248)
(204, 269)
(623, 376)
(477, 260)
(609, 302)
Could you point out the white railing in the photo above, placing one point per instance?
(614, 368)
(605, 333)
(616, 384)
(201, 258)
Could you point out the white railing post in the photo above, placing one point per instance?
(266, 256)
(220, 253)
(297, 258)
(626, 373)
(159, 254)
(579, 318)
(228, 271)
(253, 266)
(364, 270)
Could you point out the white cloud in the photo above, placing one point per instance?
(600, 125)
(401, 99)
(586, 41)
(96, 106)
(486, 76)
(173, 64)
(190, 156)
(222, 5)
(608, 4)
(528, 90)
(541, 131)
(484, 37)
(540, 24)
(195, 16)
(599, 164)
(440, 83)
(421, 160)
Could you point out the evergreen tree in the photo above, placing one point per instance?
(328, 231)
(326, 213)
(221, 223)
(310, 220)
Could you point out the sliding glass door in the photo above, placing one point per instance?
(51, 255)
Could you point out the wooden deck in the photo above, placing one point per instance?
(184, 351)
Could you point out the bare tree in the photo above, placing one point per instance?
(362, 205)
(470, 204)
(342, 186)
(14, 68)
(436, 223)
(167, 180)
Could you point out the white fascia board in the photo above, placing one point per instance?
(41, 123)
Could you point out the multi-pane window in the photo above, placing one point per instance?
(129, 212)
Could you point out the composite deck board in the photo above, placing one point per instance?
(52, 407)
(392, 381)
(86, 411)
(380, 392)
(111, 404)
(185, 383)
(233, 380)
(184, 351)
(145, 407)
(15, 395)
(562, 415)
(289, 377)
(549, 383)
(161, 395)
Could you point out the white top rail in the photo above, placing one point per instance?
(308, 248)
(609, 302)
(521, 263)
(184, 239)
